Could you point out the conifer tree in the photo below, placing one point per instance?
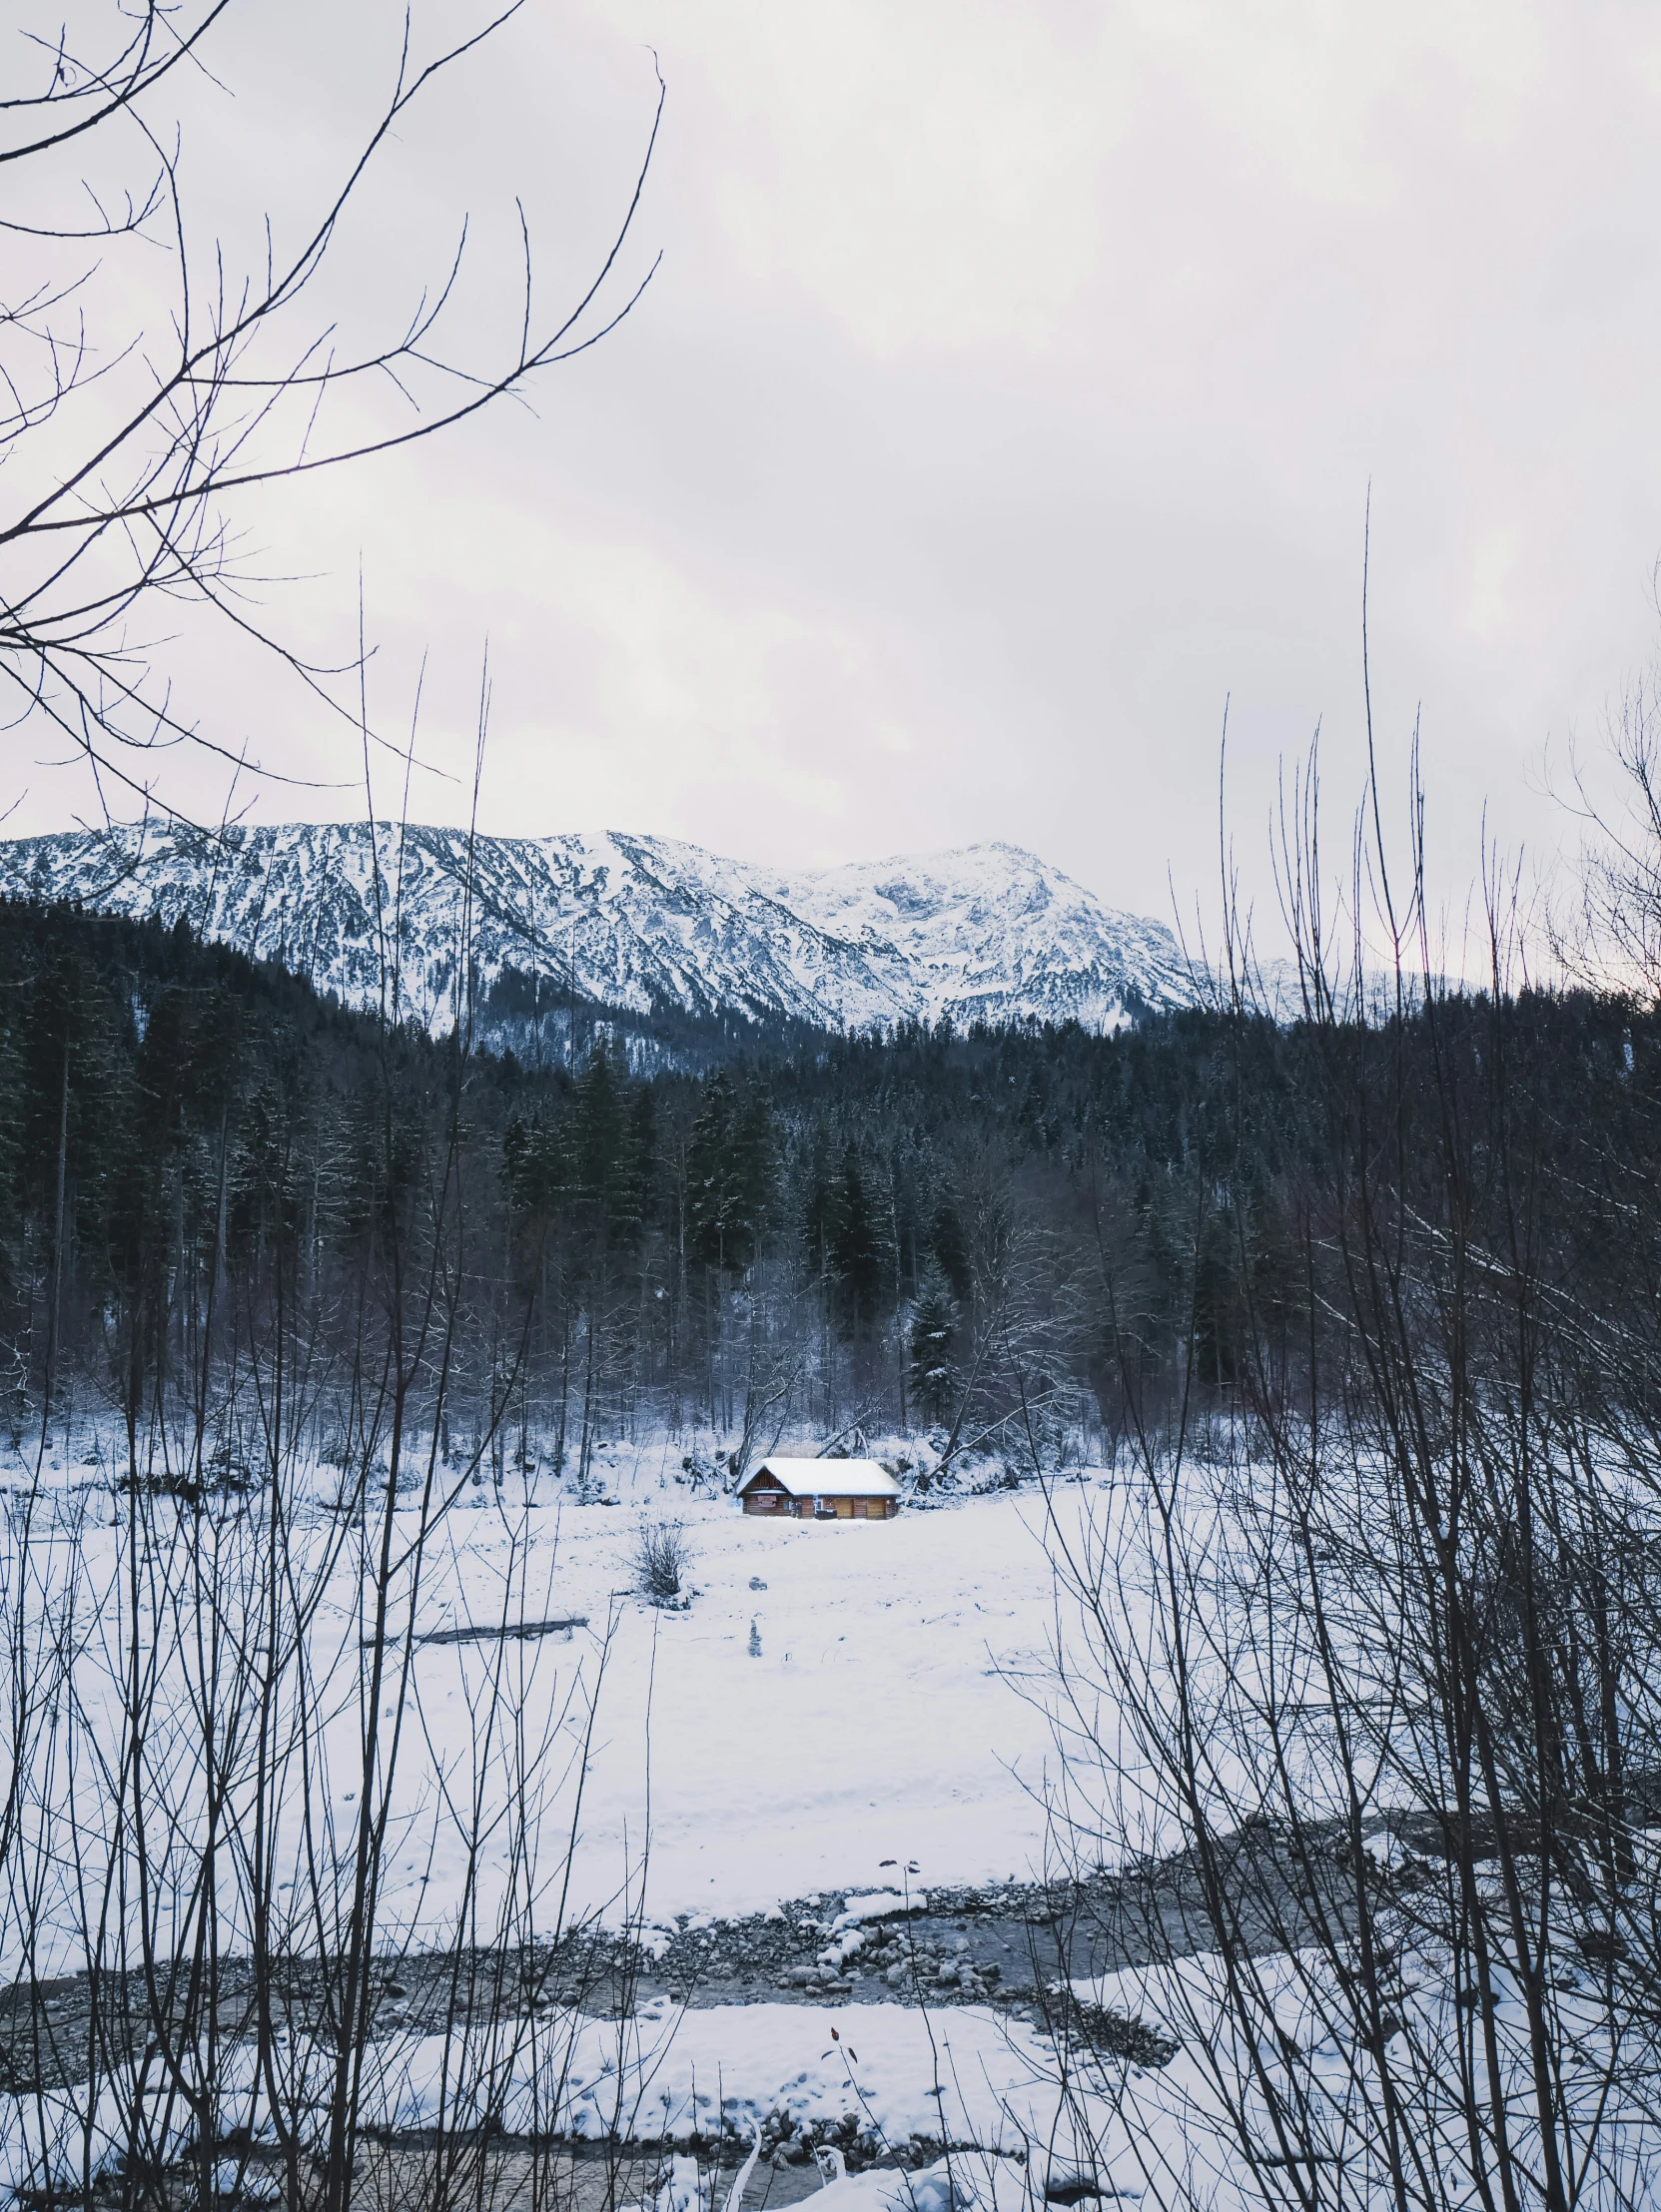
(730, 1174)
(934, 1326)
(858, 1244)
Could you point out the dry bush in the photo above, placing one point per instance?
(662, 1559)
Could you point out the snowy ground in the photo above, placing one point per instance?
(991, 2088)
(836, 1699)
(883, 1719)
(887, 1715)
(891, 1726)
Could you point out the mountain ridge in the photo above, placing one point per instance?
(983, 933)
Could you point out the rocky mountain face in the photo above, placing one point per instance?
(642, 925)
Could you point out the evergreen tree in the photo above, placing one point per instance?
(818, 1213)
(949, 1246)
(859, 1246)
(604, 1171)
(934, 1327)
(730, 1169)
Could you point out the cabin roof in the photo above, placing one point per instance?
(827, 1478)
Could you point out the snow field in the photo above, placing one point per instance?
(884, 1719)
(885, 1723)
(900, 1710)
(880, 1721)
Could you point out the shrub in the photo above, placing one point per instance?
(662, 1558)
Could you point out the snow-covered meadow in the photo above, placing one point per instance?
(828, 1710)
(826, 1701)
(832, 1697)
(882, 1719)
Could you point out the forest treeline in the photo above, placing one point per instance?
(1011, 1237)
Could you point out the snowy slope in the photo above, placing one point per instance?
(637, 923)
(990, 933)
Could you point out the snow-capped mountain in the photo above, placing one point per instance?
(641, 924)
(990, 933)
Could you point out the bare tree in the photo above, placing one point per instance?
(131, 438)
(1364, 1702)
(1607, 930)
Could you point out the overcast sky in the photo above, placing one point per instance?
(1006, 398)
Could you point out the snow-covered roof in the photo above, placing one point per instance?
(828, 1478)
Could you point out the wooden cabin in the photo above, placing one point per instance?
(821, 1490)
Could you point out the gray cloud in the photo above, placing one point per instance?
(1008, 395)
